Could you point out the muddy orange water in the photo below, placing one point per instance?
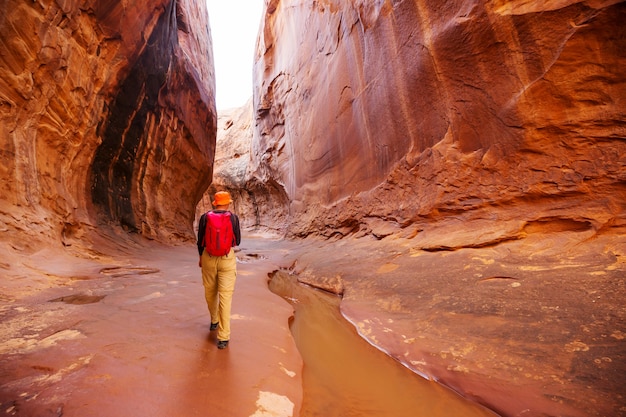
(345, 376)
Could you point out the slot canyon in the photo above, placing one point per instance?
(453, 172)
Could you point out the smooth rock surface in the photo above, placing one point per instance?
(534, 327)
(416, 112)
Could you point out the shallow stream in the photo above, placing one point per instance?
(345, 376)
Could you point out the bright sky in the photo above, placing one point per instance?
(234, 27)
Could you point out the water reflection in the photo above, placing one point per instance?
(344, 376)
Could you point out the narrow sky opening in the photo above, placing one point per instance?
(234, 28)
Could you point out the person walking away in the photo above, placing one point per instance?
(218, 234)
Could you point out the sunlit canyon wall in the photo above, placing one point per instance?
(379, 117)
(107, 117)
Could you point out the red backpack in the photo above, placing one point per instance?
(218, 235)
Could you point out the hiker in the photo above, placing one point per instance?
(218, 233)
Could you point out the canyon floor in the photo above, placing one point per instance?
(121, 328)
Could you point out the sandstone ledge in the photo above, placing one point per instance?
(525, 327)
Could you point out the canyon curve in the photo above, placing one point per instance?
(457, 172)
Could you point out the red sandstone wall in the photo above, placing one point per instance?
(380, 116)
(259, 204)
(107, 114)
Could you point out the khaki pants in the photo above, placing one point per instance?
(218, 277)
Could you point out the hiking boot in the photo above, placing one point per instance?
(222, 344)
(214, 326)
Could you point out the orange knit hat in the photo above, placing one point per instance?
(222, 198)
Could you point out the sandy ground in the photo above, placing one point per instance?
(129, 335)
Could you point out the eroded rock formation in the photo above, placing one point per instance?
(107, 107)
(260, 204)
(399, 115)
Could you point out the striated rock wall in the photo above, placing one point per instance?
(259, 204)
(384, 117)
(106, 109)
(482, 144)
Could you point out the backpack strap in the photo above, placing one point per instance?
(206, 220)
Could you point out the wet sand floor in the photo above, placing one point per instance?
(140, 342)
(128, 335)
(345, 376)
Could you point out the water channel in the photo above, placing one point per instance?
(344, 376)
